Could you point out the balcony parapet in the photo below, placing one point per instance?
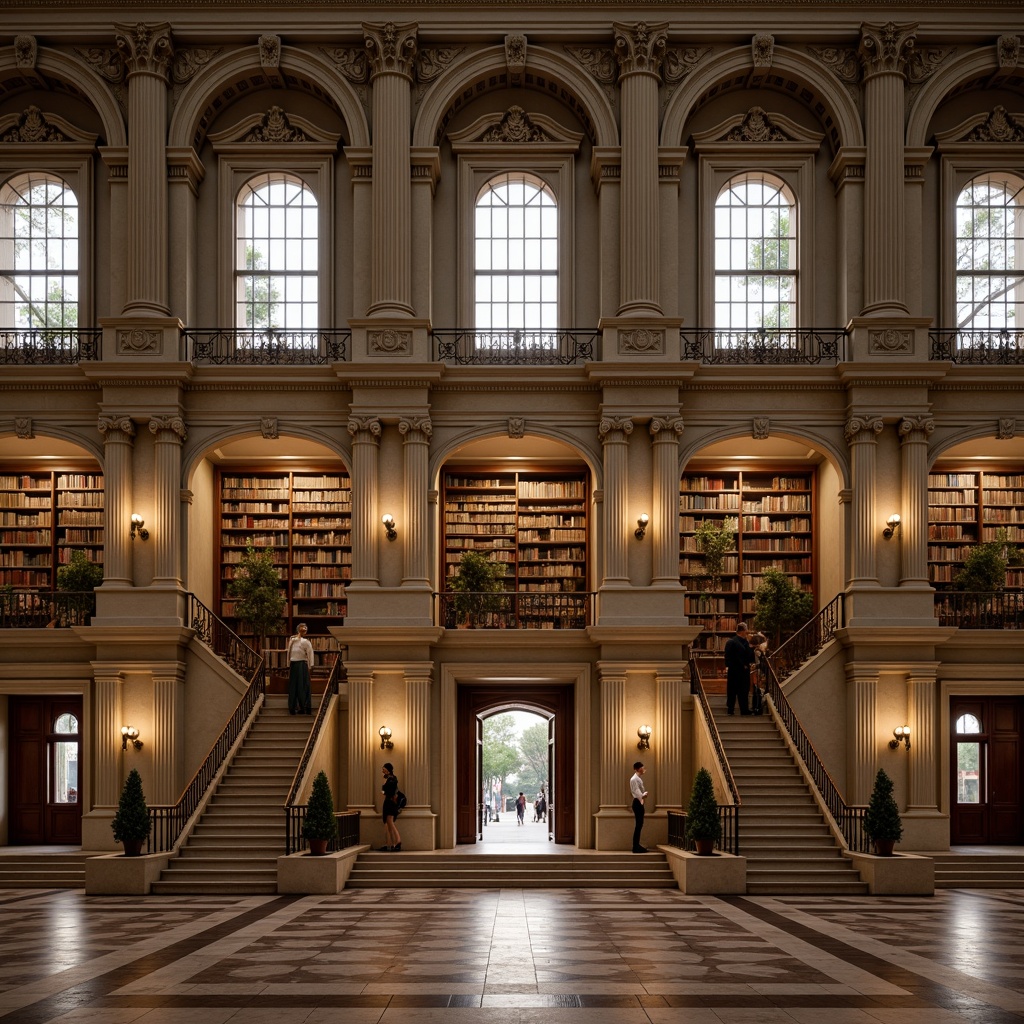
(978, 348)
(50, 346)
(473, 347)
(242, 347)
(796, 346)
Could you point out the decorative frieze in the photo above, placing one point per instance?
(106, 61)
(188, 63)
(599, 61)
(922, 64)
(351, 61)
(890, 341)
(680, 61)
(431, 61)
(640, 48)
(389, 342)
(842, 61)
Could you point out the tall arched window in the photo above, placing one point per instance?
(277, 255)
(990, 253)
(516, 256)
(38, 253)
(755, 254)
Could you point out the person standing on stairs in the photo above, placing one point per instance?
(639, 794)
(300, 663)
(739, 656)
(392, 840)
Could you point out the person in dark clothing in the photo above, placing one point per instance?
(392, 839)
(739, 656)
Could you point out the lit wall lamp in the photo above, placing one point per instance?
(892, 525)
(901, 734)
(138, 526)
(644, 732)
(129, 734)
(385, 737)
(641, 526)
(389, 525)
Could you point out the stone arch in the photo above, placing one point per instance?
(77, 79)
(215, 82)
(941, 445)
(58, 432)
(546, 70)
(792, 73)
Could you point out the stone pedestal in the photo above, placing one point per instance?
(721, 874)
(304, 874)
(902, 874)
(118, 875)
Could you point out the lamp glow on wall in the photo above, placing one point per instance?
(389, 525)
(901, 734)
(138, 527)
(129, 734)
(385, 737)
(641, 526)
(644, 732)
(892, 526)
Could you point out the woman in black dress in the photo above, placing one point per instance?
(392, 840)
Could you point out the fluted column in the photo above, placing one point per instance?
(169, 432)
(668, 740)
(391, 49)
(363, 772)
(861, 435)
(417, 757)
(923, 795)
(639, 49)
(416, 432)
(614, 434)
(147, 53)
(914, 432)
(167, 738)
(665, 434)
(614, 778)
(365, 433)
(863, 747)
(883, 52)
(118, 441)
(106, 748)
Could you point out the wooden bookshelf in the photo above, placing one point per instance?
(44, 516)
(772, 513)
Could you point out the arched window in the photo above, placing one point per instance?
(755, 254)
(516, 257)
(38, 253)
(64, 760)
(277, 255)
(968, 724)
(990, 253)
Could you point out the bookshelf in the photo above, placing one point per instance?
(305, 517)
(44, 516)
(773, 515)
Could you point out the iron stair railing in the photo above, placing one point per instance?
(810, 638)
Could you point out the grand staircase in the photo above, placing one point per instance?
(234, 847)
(783, 832)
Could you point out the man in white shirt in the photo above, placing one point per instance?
(636, 788)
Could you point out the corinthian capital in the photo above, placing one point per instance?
(614, 425)
(910, 425)
(415, 425)
(884, 48)
(666, 427)
(364, 428)
(115, 423)
(146, 49)
(640, 48)
(391, 49)
(174, 424)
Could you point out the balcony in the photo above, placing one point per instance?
(42, 609)
(1002, 609)
(241, 347)
(471, 347)
(515, 610)
(978, 348)
(50, 346)
(797, 346)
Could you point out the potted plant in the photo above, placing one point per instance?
(781, 607)
(473, 583)
(703, 826)
(715, 538)
(256, 590)
(131, 823)
(78, 577)
(320, 826)
(882, 824)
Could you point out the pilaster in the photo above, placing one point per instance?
(118, 432)
(612, 684)
(170, 433)
(863, 688)
(914, 432)
(923, 795)
(167, 739)
(416, 433)
(669, 741)
(614, 433)
(665, 434)
(861, 435)
(418, 752)
(107, 724)
(362, 770)
(366, 433)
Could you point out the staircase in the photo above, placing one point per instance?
(234, 847)
(34, 870)
(978, 871)
(584, 870)
(783, 832)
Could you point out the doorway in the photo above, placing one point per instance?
(45, 796)
(985, 770)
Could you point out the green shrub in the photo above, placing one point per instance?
(882, 820)
(702, 821)
(320, 821)
(131, 822)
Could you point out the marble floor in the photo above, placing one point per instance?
(458, 955)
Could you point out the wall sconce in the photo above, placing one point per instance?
(129, 734)
(644, 732)
(389, 525)
(892, 525)
(385, 737)
(901, 734)
(641, 526)
(138, 527)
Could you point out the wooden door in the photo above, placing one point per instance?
(550, 792)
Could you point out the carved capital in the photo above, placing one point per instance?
(915, 425)
(614, 428)
(516, 426)
(884, 48)
(26, 52)
(415, 428)
(515, 57)
(146, 49)
(666, 428)
(391, 49)
(364, 428)
(171, 424)
(640, 48)
(111, 424)
(863, 428)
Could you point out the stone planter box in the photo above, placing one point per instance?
(902, 874)
(721, 874)
(118, 875)
(302, 874)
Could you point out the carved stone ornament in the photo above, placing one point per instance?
(268, 427)
(105, 61)
(860, 428)
(1008, 52)
(188, 63)
(515, 128)
(915, 425)
(841, 61)
(922, 64)
(420, 426)
(600, 62)
(391, 48)
(614, 425)
(516, 426)
(367, 426)
(757, 126)
(115, 423)
(1006, 428)
(515, 56)
(666, 427)
(890, 340)
(26, 52)
(432, 60)
(270, 51)
(137, 340)
(640, 48)
(275, 128)
(884, 48)
(171, 424)
(761, 428)
(145, 48)
(32, 126)
(352, 62)
(642, 340)
(680, 61)
(1001, 126)
(390, 342)
(23, 427)
(762, 50)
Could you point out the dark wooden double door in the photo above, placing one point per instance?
(44, 761)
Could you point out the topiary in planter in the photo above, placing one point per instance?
(320, 826)
(131, 823)
(476, 584)
(703, 826)
(882, 824)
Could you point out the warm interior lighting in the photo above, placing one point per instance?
(901, 734)
(641, 526)
(389, 525)
(385, 737)
(129, 734)
(892, 525)
(644, 732)
(138, 527)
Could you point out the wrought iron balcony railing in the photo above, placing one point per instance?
(515, 610)
(479, 347)
(50, 346)
(966, 609)
(38, 609)
(761, 346)
(242, 347)
(978, 348)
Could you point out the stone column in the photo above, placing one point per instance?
(167, 738)
(416, 431)
(417, 758)
(668, 740)
(147, 53)
(170, 433)
(365, 431)
(664, 531)
(883, 52)
(391, 49)
(861, 436)
(118, 441)
(614, 790)
(614, 434)
(640, 49)
(863, 756)
(362, 769)
(923, 795)
(106, 734)
(914, 432)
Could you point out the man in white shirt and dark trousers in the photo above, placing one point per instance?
(636, 787)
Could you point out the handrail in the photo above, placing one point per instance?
(810, 638)
(267, 346)
(50, 346)
(763, 346)
(168, 821)
(469, 346)
(979, 347)
(968, 609)
(511, 609)
(728, 815)
(221, 638)
(38, 609)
